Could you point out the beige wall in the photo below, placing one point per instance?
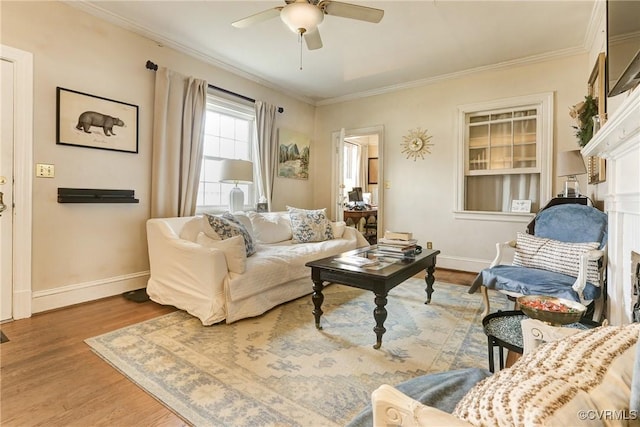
(421, 196)
(87, 246)
(91, 246)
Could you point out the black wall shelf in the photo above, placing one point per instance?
(91, 195)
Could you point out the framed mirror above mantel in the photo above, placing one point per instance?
(596, 88)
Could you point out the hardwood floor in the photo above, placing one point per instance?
(50, 377)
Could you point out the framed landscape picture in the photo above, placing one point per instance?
(293, 154)
(92, 121)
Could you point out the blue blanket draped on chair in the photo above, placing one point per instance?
(441, 390)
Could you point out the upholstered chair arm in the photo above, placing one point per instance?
(500, 251)
(392, 407)
(581, 280)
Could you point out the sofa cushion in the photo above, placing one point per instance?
(309, 225)
(272, 227)
(338, 229)
(225, 227)
(233, 248)
(559, 383)
(553, 255)
(243, 219)
(191, 229)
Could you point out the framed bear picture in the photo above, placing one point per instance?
(92, 121)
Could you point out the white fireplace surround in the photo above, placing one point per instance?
(618, 141)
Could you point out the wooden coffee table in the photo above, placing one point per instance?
(379, 281)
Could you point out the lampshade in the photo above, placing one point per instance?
(571, 163)
(236, 171)
(301, 17)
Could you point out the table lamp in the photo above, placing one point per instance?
(236, 172)
(570, 164)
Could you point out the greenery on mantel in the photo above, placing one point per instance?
(584, 112)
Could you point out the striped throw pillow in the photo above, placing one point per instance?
(553, 255)
(561, 384)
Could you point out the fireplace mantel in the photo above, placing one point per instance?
(619, 143)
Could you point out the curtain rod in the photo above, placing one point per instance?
(154, 67)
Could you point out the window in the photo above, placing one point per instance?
(229, 134)
(505, 154)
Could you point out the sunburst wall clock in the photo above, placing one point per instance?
(416, 144)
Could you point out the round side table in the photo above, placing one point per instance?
(504, 330)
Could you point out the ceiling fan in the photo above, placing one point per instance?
(304, 16)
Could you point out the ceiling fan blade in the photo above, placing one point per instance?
(352, 11)
(258, 17)
(313, 40)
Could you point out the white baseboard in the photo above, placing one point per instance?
(21, 304)
(88, 291)
(461, 264)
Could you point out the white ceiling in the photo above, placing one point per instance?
(416, 41)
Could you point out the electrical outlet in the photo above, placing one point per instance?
(44, 170)
(429, 245)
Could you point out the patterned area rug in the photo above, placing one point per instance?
(278, 370)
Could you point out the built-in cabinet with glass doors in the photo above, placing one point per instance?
(502, 141)
(502, 158)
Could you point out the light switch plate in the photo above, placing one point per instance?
(44, 170)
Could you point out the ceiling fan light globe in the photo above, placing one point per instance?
(300, 16)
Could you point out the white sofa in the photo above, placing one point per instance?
(194, 275)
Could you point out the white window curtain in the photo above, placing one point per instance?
(363, 166)
(178, 136)
(267, 143)
(494, 193)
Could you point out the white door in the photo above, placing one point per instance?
(337, 192)
(16, 155)
(6, 190)
(338, 175)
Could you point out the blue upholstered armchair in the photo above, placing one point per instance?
(565, 257)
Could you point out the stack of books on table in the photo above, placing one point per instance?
(397, 244)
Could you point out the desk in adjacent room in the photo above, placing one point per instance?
(370, 228)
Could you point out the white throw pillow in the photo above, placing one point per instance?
(553, 255)
(271, 227)
(310, 225)
(338, 229)
(191, 228)
(233, 248)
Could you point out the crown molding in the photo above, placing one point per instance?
(92, 9)
(162, 41)
(451, 76)
(598, 15)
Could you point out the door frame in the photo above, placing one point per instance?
(337, 139)
(22, 178)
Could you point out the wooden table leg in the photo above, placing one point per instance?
(380, 314)
(317, 299)
(512, 357)
(430, 280)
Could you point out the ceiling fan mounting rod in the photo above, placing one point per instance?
(301, 32)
